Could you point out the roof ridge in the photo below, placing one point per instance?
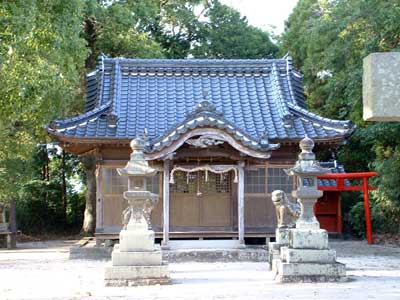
(199, 62)
(60, 124)
(289, 67)
(116, 74)
(341, 124)
(283, 110)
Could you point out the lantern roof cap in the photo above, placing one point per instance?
(137, 165)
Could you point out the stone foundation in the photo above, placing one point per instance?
(136, 275)
(307, 258)
(136, 261)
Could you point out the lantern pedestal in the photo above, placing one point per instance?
(136, 260)
(307, 258)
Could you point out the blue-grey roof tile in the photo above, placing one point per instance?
(255, 96)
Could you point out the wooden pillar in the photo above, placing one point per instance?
(99, 199)
(241, 203)
(165, 241)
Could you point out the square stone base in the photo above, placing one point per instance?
(324, 256)
(310, 272)
(308, 238)
(136, 240)
(136, 275)
(138, 258)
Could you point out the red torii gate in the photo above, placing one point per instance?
(364, 187)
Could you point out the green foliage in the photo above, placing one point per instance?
(118, 30)
(42, 57)
(380, 210)
(328, 41)
(40, 208)
(357, 219)
(227, 34)
(40, 211)
(172, 29)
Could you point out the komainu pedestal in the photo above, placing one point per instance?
(287, 213)
(136, 260)
(307, 257)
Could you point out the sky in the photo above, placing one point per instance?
(264, 13)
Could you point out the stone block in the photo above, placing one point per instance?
(282, 236)
(381, 92)
(4, 227)
(310, 272)
(274, 265)
(136, 240)
(308, 239)
(136, 275)
(204, 244)
(308, 255)
(273, 253)
(143, 258)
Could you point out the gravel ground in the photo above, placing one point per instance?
(43, 271)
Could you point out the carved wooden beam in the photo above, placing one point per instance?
(218, 133)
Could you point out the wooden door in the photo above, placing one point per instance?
(214, 200)
(200, 202)
(184, 205)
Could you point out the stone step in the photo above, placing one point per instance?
(311, 269)
(250, 253)
(204, 244)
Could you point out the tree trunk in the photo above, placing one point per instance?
(89, 221)
(63, 188)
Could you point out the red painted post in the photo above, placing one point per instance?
(339, 214)
(367, 211)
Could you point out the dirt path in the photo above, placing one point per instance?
(43, 271)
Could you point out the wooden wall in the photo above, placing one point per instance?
(259, 209)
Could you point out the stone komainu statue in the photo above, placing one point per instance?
(287, 210)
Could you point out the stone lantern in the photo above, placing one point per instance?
(307, 258)
(136, 260)
(306, 170)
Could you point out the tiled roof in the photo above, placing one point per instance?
(335, 168)
(260, 99)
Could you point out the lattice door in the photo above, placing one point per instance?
(196, 201)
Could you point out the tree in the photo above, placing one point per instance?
(227, 34)
(41, 56)
(89, 221)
